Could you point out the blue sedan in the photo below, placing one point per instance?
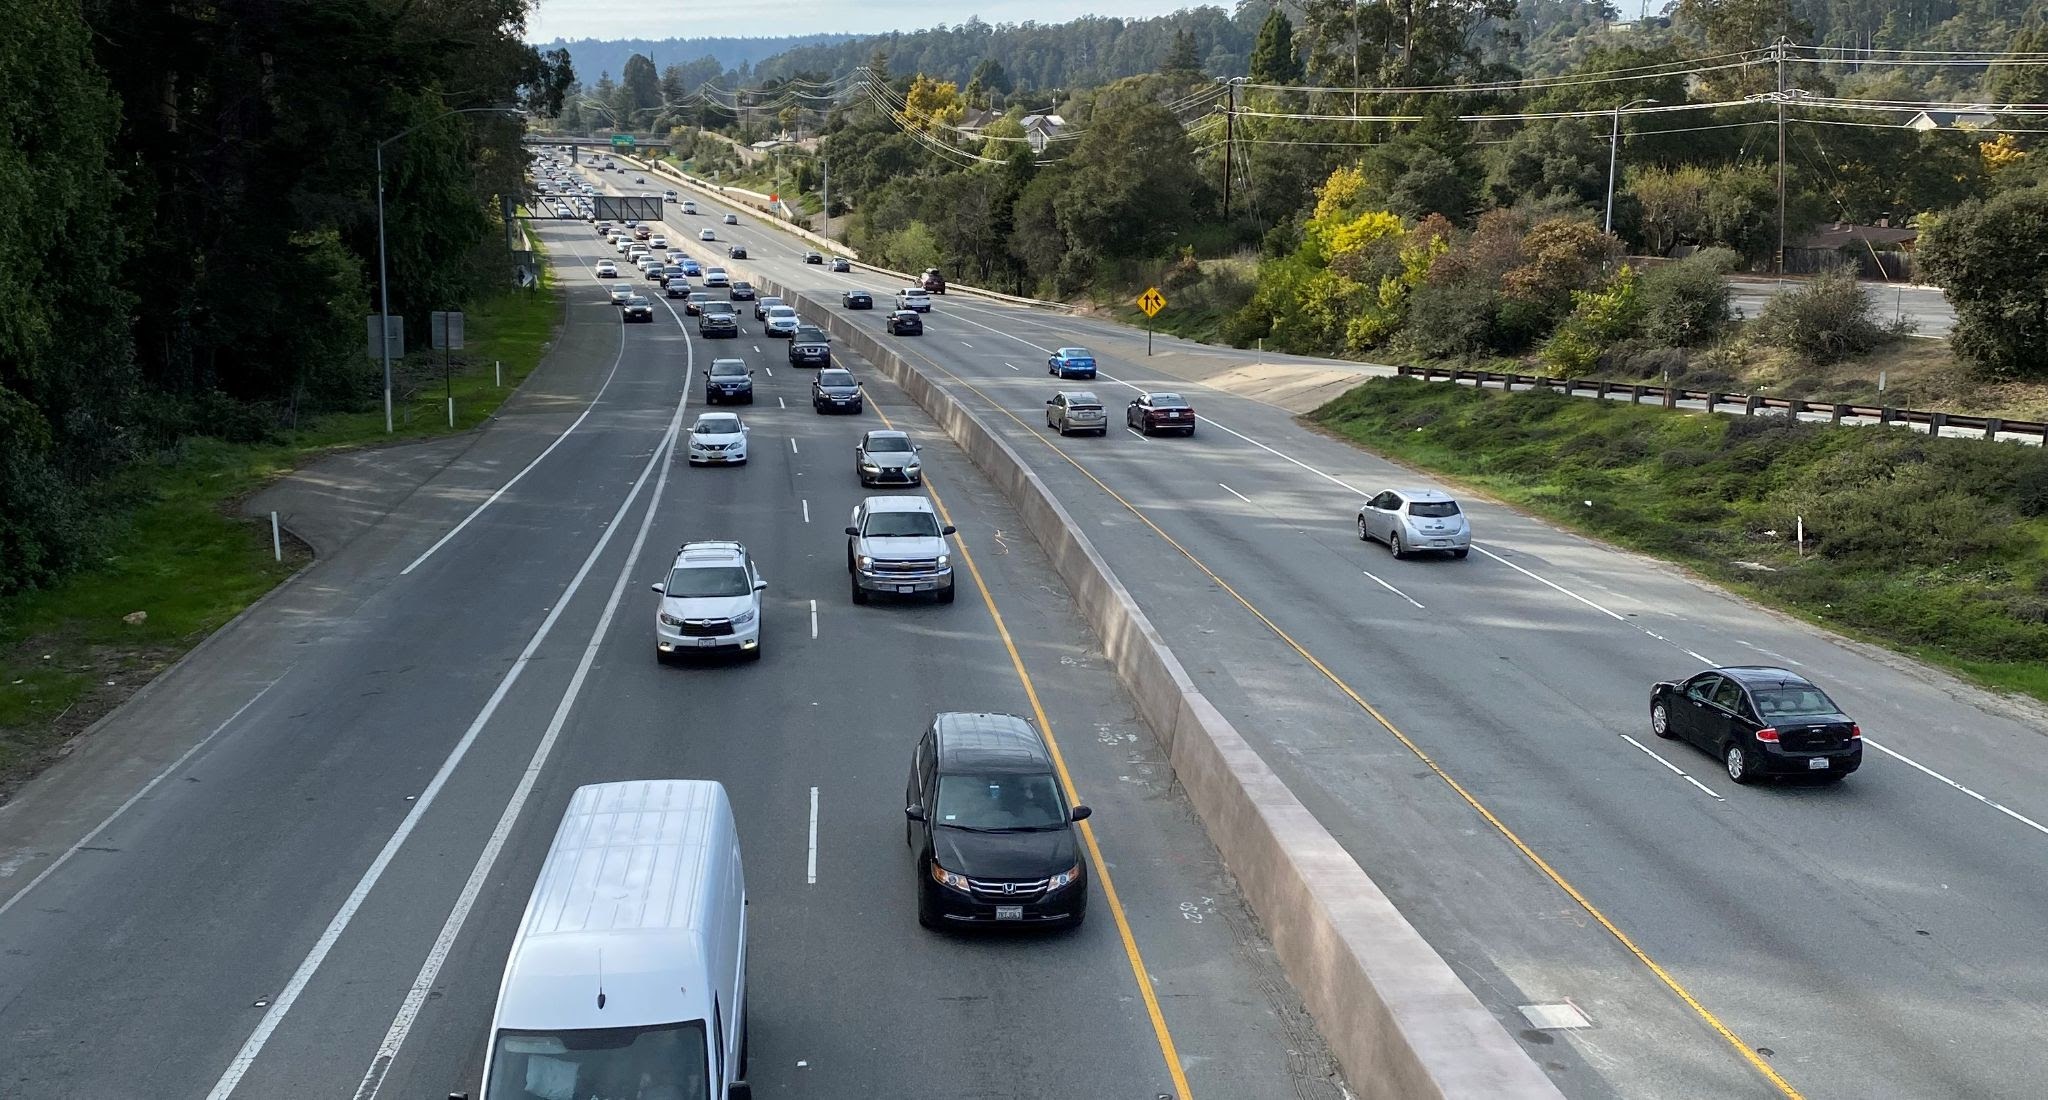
(1071, 363)
(691, 269)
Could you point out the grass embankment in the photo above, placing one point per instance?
(1201, 297)
(177, 550)
(1936, 547)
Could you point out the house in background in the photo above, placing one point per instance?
(1971, 118)
(1879, 251)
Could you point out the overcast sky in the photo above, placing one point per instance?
(698, 19)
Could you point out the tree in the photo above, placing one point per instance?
(1273, 58)
(2023, 83)
(1734, 26)
(932, 104)
(1543, 161)
(1183, 61)
(642, 87)
(1986, 256)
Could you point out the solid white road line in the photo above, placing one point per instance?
(451, 929)
(1134, 431)
(1675, 769)
(1391, 588)
(493, 498)
(1559, 587)
(811, 861)
(1235, 493)
(814, 620)
(124, 807)
(289, 995)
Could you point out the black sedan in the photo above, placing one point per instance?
(813, 258)
(1759, 722)
(993, 835)
(741, 291)
(838, 263)
(904, 322)
(639, 311)
(856, 299)
(737, 252)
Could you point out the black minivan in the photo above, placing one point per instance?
(988, 818)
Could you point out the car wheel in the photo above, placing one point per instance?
(1460, 554)
(661, 658)
(1191, 433)
(860, 595)
(1660, 721)
(925, 917)
(754, 654)
(1739, 767)
(1363, 534)
(946, 594)
(858, 406)
(1394, 546)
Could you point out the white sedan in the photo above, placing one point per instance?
(607, 269)
(718, 437)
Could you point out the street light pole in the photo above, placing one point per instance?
(383, 275)
(1613, 154)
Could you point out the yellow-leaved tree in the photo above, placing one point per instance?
(933, 104)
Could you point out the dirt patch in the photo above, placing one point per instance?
(99, 678)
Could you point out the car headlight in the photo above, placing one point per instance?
(670, 620)
(743, 618)
(948, 878)
(871, 468)
(945, 560)
(912, 468)
(864, 562)
(1064, 878)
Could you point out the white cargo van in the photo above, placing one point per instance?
(628, 977)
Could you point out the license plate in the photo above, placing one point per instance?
(1817, 764)
(1009, 912)
(707, 641)
(904, 589)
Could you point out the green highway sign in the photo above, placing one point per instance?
(622, 141)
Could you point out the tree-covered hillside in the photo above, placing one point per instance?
(594, 57)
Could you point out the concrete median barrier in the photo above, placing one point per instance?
(1395, 1015)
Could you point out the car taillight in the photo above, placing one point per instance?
(1767, 735)
(1855, 732)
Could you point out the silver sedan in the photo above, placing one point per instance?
(1412, 521)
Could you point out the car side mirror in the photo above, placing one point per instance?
(947, 529)
(1081, 813)
(1048, 400)
(659, 587)
(914, 812)
(855, 531)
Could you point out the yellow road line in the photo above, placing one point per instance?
(1160, 1031)
(1748, 1052)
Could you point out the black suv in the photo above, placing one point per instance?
(813, 258)
(810, 347)
(728, 380)
(742, 291)
(990, 824)
(718, 319)
(834, 389)
(639, 311)
(1759, 722)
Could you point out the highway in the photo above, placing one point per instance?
(294, 869)
(1476, 734)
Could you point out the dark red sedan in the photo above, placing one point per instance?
(1160, 412)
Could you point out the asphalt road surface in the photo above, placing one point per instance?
(350, 794)
(1927, 307)
(1874, 939)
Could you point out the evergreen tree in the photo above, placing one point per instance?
(1273, 59)
(1182, 60)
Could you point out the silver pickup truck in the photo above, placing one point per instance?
(896, 545)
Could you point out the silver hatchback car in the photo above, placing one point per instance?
(1076, 411)
(1414, 521)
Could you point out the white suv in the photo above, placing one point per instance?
(914, 298)
(711, 602)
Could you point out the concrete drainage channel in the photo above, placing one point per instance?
(1394, 1014)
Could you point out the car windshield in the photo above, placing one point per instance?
(888, 444)
(810, 335)
(906, 525)
(832, 378)
(700, 297)
(718, 425)
(1168, 401)
(994, 802)
(1433, 509)
(781, 313)
(1792, 699)
(726, 367)
(708, 580)
(616, 1061)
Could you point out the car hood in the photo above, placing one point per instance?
(1032, 855)
(707, 607)
(839, 391)
(711, 439)
(890, 460)
(890, 548)
(731, 381)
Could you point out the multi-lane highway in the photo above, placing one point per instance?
(294, 869)
(1476, 733)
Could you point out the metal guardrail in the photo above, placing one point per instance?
(1750, 404)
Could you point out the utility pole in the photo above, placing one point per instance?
(1613, 155)
(826, 191)
(1778, 49)
(1229, 144)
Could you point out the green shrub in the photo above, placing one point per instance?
(1826, 320)
(1450, 321)
(1686, 304)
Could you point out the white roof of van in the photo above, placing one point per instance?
(629, 884)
